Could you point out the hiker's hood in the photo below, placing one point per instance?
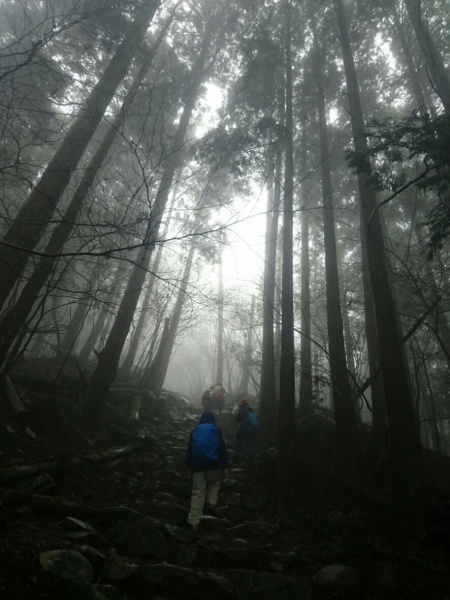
(207, 417)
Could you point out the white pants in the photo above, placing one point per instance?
(205, 486)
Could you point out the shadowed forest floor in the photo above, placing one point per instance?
(126, 517)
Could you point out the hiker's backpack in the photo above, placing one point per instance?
(252, 419)
(205, 445)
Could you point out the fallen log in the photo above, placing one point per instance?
(54, 505)
(65, 464)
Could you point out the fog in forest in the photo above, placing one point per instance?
(246, 193)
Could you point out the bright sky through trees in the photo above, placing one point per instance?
(245, 222)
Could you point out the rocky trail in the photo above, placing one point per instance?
(117, 528)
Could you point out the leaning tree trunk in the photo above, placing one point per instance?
(431, 54)
(405, 448)
(413, 76)
(79, 316)
(26, 230)
(106, 370)
(14, 317)
(127, 367)
(344, 413)
(99, 324)
(157, 371)
(286, 411)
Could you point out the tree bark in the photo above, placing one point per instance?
(431, 54)
(405, 449)
(286, 411)
(107, 366)
(157, 371)
(345, 417)
(26, 230)
(126, 368)
(268, 390)
(248, 352)
(220, 323)
(305, 405)
(99, 324)
(11, 323)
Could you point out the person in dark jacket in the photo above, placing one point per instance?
(245, 434)
(207, 400)
(207, 462)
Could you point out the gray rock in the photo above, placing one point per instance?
(254, 503)
(179, 489)
(326, 552)
(86, 537)
(218, 556)
(112, 514)
(166, 475)
(209, 523)
(110, 592)
(180, 535)
(141, 539)
(166, 512)
(339, 527)
(285, 558)
(181, 582)
(254, 529)
(232, 513)
(231, 498)
(118, 570)
(336, 582)
(73, 524)
(56, 566)
(164, 497)
(96, 558)
(253, 585)
(186, 554)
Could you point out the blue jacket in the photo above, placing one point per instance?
(242, 418)
(206, 448)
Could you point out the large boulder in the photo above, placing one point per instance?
(142, 538)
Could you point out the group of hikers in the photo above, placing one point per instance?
(214, 398)
(207, 455)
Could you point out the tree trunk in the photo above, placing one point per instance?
(431, 54)
(107, 366)
(345, 417)
(99, 325)
(268, 390)
(405, 449)
(220, 324)
(413, 76)
(126, 368)
(248, 353)
(25, 232)
(157, 371)
(286, 411)
(11, 323)
(305, 404)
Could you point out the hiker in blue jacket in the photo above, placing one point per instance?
(207, 462)
(246, 431)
